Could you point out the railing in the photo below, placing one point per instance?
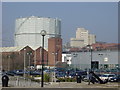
(17, 81)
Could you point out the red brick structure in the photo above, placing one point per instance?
(103, 46)
(13, 57)
(38, 56)
(54, 51)
(12, 60)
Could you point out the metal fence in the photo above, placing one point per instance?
(17, 81)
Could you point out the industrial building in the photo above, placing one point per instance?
(28, 43)
(104, 59)
(14, 58)
(28, 29)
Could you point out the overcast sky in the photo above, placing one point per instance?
(100, 18)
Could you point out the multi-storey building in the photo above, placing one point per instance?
(82, 34)
(75, 42)
(83, 38)
(91, 39)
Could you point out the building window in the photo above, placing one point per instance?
(67, 60)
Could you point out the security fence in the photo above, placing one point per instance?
(18, 81)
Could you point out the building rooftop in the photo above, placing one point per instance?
(16, 49)
(10, 49)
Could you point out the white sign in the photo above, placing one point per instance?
(105, 59)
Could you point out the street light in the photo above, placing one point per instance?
(54, 63)
(100, 54)
(90, 48)
(9, 63)
(29, 55)
(35, 60)
(24, 63)
(75, 55)
(105, 60)
(43, 33)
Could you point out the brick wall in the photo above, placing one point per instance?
(54, 51)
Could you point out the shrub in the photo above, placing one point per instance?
(67, 79)
(46, 77)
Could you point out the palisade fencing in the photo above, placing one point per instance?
(16, 81)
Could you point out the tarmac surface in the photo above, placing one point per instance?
(28, 85)
(71, 85)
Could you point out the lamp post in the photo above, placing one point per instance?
(9, 64)
(35, 60)
(43, 33)
(29, 55)
(54, 64)
(74, 55)
(24, 62)
(105, 59)
(101, 66)
(90, 48)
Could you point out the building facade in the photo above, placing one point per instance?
(75, 42)
(105, 59)
(82, 34)
(66, 57)
(28, 29)
(14, 58)
(83, 38)
(54, 51)
(91, 39)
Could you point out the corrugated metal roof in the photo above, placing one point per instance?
(10, 49)
(36, 47)
(15, 49)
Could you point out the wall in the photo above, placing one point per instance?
(15, 59)
(54, 50)
(83, 59)
(38, 56)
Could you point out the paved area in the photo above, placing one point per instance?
(71, 85)
(14, 83)
(68, 86)
(81, 85)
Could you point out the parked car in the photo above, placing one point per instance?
(35, 73)
(107, 76)
(60, 74)
(11, 73)
(115, 79)
(72, 75)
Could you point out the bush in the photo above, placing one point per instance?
(67, 79)
(35, 80)
(46, 77)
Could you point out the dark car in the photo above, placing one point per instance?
(10, 73)
(115, 79)
(60, 74)
(35, 73)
